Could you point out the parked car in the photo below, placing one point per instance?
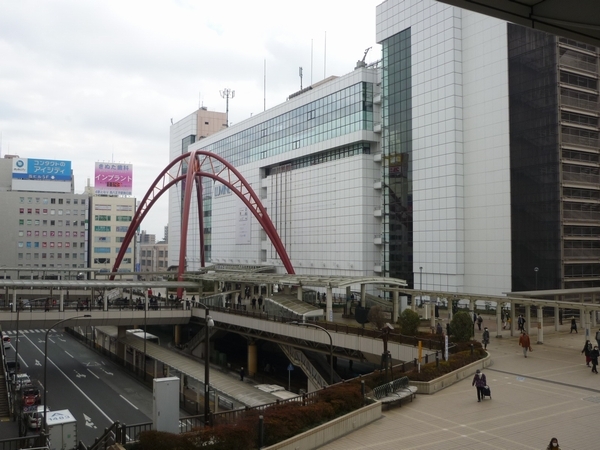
(12, 367)
(34, 416)
(6, 342)
(20, 381)
(31, 396)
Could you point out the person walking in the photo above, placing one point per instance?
(521, 322)
(573, 325)
(553, 445)
(525, 343)
(587, 349)
(485, 339)
(598, 337)
(479, 321)
(253, 302)
(594, 354)
(242, 373)
(480, 383)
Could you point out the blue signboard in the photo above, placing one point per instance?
(41, 169)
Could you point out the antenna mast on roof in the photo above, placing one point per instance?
(226, 94)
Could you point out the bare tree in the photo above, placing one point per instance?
(376, 317)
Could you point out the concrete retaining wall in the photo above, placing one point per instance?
(431, 387)
(331, 431)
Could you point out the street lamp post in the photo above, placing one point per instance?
(46, 364)
(421, 285)
(536, 270)
(306, 324)
(209, 322)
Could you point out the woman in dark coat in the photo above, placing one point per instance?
(479, 382)
(594, 354)
(587, 349)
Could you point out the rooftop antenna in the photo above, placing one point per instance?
(325, 58)
(300, 73)
(226, 94)
(311, 62)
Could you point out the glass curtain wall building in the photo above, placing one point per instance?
(311, 161)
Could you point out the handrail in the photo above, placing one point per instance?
(299, 358)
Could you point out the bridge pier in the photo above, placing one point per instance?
(61, 301)
(299, 292)
(252, 357)
(528, 319)
(177, 334)
(329, 304)
(121, 334)
(498, 319)
(395, 307)
(513, 309)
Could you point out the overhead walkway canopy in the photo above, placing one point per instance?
(293, 305)
(575, 19)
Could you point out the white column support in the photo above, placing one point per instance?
(556, 317)
(513, 309)
(363, 295)
(540, 325)
(300, 292)
(498, 319)
(61, 301)
(14, 300)
(395, 307)
(329, 304)
(528, 319)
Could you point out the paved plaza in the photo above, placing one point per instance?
(551, 393)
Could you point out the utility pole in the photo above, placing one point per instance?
(226, 94)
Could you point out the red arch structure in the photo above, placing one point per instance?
(189, 168)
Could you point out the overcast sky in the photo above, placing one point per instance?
(94, 80)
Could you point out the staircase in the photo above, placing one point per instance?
(4, 403)
(198, 339)
(298, 358)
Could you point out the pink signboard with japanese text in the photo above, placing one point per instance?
(113, 179)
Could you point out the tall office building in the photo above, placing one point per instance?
(499, 124)
(467, 161)
(43, 222)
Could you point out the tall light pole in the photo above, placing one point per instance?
(536, 270)
(209, 322)
(46, 364)
(306, 324)
(421, 284)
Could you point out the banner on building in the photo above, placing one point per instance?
(244, 228)
(49, 175)
(113, 179)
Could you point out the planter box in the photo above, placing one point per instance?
(431, 387)
(331, 431)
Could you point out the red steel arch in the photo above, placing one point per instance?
(190, 168)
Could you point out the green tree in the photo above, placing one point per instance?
(461, 326)
(409, 322)
(376, 317)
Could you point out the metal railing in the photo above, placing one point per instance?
(27, 442)
(298, 358)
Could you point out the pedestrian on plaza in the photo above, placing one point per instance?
(448, 329)
(587, 349)
(525, 343)
(239, 301)
(474, 317)
(485, 338)
(598, 337)
(253, 302)
(594, 354)
(479, 321)
(480, 383)
(439, 329)
(242, 373)
(553, 445)
(260, 302)
(573, 325)
(521, 323)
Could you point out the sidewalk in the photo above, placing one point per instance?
(550, 394)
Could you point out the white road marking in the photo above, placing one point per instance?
(79, 375)
(69, 354)
(37, 363)
(93, 373)
(129, 402)
(73, 383)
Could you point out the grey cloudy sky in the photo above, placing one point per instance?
(95, 80)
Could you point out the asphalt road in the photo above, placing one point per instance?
(91, 387)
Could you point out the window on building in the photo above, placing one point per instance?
(60, 201)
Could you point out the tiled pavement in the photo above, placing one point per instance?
(549, 394)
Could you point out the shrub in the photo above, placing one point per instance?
(409, 322)
(461, 326)
(376, 317)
